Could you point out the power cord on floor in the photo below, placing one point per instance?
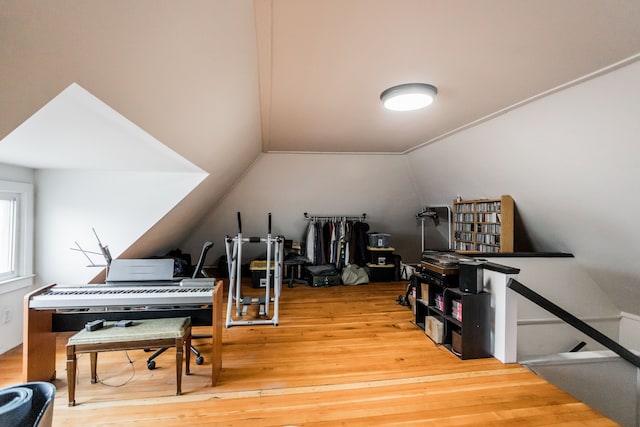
(133, 374)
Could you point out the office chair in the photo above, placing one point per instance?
(295, 262)
(197, 272)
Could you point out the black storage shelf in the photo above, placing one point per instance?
(474, 329)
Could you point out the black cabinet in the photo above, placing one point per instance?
(459, 320)
(382, 267)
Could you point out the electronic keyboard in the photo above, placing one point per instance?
(91, 296)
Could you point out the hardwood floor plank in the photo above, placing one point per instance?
(345, 355)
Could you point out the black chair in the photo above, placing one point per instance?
(296, 263)
(27, 405)
(198, 271)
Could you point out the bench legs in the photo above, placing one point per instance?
(71, 373)
(182, 346)
(94, 366)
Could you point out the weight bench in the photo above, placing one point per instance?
(143, 334)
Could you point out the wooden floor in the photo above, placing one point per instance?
(344, 355)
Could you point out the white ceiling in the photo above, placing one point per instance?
(323, 64)
(183, 71)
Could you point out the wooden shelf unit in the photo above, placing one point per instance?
(483, 225)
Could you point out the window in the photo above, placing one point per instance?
(16, 230)
(8, 235)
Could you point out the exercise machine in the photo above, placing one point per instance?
(236, 299)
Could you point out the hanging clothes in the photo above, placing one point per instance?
(337, 241)
(310, 241)
(360, 240)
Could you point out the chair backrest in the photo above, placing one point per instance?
(203, 255)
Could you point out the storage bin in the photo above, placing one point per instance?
(433, 328)
(456, 342)
(381, 256)
(379, 240)
(259, 273)
(381, 273)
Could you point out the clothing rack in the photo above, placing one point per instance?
(308, 217)
(336, 239)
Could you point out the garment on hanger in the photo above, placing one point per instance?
(336, 241)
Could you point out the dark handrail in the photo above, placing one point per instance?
(574, 321)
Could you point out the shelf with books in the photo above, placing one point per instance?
(483, 225)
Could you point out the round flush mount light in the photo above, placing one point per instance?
(408, 97)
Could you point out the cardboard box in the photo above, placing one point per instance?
(433, 328)
(424, 291)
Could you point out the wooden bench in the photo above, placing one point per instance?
(143, 334)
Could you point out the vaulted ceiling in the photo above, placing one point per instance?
(184, 70)
(323, 64)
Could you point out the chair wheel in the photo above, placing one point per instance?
(199, 360)
(151, 365)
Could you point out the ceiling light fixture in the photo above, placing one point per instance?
(408, 97)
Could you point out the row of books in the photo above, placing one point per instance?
(482, 247)
(488, 228)
(439, 302)
(456, 310)
(488, 207)
(489, 239)
(488, 248)
(489, 217)
(464, 246)
(492, 239)
(464, 217)
(463, 226)
(463, 207)
(480, 217)
(478, 207)
(460, 235)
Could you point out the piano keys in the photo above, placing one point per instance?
(91, 296)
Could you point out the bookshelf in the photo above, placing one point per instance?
(466, 317)
(483, 225)
(462, 319)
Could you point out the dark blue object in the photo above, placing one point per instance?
(27, 405)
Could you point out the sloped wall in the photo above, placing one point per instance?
(288, 185)
(570, 162)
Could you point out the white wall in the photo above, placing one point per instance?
(570, 162)
(121, 206)
(564, 282)
(288, 185)
(630, 331)
(12, 293)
